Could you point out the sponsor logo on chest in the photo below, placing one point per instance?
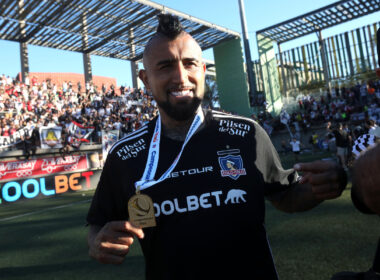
(131, 150)
(192, 171)
(203, 201)
(233, 128)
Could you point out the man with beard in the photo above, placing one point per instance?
(191, 184)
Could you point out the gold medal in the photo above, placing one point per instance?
(141, 210)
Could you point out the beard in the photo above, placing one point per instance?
(182, 111)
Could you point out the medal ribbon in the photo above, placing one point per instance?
(147, 180)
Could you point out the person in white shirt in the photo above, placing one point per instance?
(296, 148)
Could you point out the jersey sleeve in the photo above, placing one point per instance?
(106, 202)
(277, 180)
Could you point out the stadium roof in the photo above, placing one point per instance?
(328, 16)
(111, 28)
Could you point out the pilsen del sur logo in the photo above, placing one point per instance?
(234, 128)
(131, 150)
(231, 164)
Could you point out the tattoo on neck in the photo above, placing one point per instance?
(178, 134)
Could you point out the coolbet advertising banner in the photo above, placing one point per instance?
(28, 179)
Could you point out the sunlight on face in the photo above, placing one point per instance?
(175, 74)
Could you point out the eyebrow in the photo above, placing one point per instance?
(168, 61)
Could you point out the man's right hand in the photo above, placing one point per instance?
(110, 243)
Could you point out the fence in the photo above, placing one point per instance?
(348, 55)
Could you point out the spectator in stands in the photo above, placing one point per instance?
(65, 143)
(313, 140)
(79, 87)
(48, 104)
(285, 147)
(30, 144)
(370, 126)
(342, 143)
(296, 148)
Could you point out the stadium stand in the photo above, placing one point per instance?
(41, 102)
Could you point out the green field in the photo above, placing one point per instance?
(46, 239)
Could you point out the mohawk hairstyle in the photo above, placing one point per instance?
(169, 25)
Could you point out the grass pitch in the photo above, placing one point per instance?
(50, 243)
(46, 239)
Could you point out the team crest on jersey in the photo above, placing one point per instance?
(232, 166)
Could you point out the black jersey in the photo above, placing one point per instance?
(210, 211)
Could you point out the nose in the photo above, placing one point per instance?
(180, 75)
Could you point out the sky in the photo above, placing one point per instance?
(259, 14)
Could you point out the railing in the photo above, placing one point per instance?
(19, 154)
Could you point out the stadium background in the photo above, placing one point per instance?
(49, 220)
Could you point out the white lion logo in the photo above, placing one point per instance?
(235, 196)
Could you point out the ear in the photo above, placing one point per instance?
(144, 78)
(204, 67)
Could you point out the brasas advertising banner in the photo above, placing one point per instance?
(44, 166)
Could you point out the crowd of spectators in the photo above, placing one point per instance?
(43, 103)
(354, 105)
(342, 104)
(333, 120)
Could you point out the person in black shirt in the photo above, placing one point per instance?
(207, 174)
(342, 139)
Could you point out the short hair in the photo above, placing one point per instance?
(371, 122)
(169, 25)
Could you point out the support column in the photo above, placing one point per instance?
(86, 56)
(24, 57)
(24, 61)
(231, 77)
(134, 64)
(270, 74)
(135, 74)
(284, 85)
(87, 68)
(363, 66)
(349, 55)
(251, 78)
(325, 66)
(371, 35)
